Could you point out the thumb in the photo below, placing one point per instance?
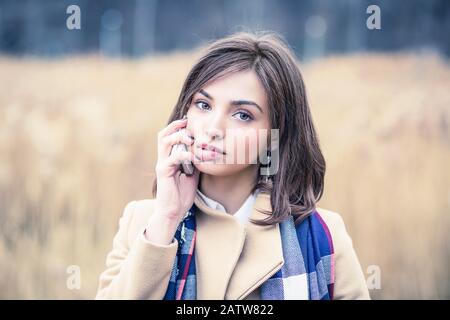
(191, 180)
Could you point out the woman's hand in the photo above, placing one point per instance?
(175, 190)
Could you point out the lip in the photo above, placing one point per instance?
(207, 155)
(206, 146)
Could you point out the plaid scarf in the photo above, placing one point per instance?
(307, 272)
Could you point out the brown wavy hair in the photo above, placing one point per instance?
(299, 182)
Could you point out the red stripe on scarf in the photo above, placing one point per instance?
(186, 268)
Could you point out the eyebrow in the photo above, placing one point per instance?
(233, 102)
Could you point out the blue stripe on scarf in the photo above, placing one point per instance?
(184, 236)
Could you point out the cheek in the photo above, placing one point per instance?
(243, 145)
(194, 124)
(252, 151)
(191, 115)
(262, 141)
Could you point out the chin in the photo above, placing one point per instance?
(217, 169)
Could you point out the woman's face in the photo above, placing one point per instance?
(229, 114)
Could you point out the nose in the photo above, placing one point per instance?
(215, 127)
(214, 134)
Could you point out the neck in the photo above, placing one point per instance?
(231, 191)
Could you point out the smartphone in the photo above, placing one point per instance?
(186, 166)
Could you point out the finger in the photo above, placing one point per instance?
(178, 137)
(179, 157)
(172, 127)
(167, 143)
(192, 179)
(188, 133)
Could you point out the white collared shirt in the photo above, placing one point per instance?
(243, 213)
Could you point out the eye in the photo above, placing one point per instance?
(244, 116)
(202, 105)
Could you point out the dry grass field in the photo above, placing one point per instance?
(77, 142)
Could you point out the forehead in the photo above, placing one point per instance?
(243, 85)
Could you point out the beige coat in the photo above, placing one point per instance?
(232, 260)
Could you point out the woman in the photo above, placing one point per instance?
(244, 225)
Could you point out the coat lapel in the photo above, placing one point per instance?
(252, 254)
